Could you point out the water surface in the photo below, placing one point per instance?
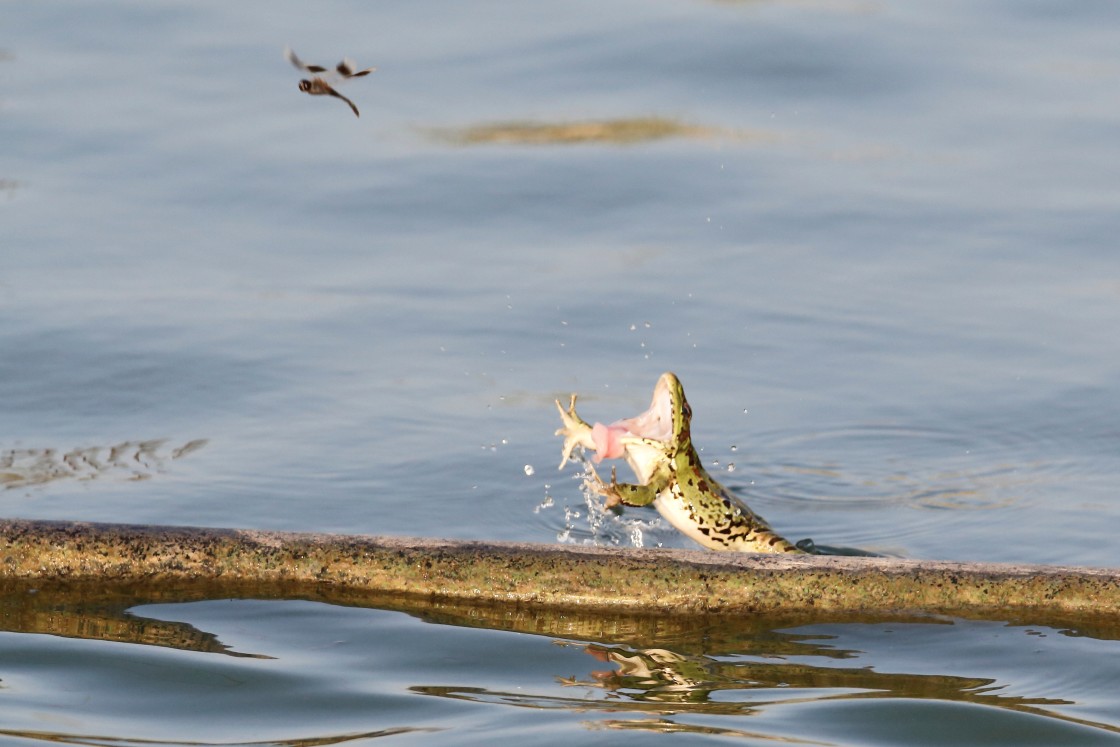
(875, 241)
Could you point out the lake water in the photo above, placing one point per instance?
(875, 240)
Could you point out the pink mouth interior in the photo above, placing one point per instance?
(656, 424)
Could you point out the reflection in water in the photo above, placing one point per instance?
(668, 726)
(666, 677)
(105, 741)
(130, 460)
(738, 668)
(666, 682)
(98, 614)
(662, 669)
(611, 132)
(99, 610)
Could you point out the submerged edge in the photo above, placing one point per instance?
(556, 576)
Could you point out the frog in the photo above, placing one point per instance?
(657, 444)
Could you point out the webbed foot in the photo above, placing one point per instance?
(576, 431)
(607, 490)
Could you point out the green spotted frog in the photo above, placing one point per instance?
(657, 445)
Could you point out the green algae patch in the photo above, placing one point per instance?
(626, 131)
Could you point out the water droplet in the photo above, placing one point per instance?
(734, 447)
(529, 470)
(731, 466)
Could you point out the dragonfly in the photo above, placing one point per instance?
(317, 85)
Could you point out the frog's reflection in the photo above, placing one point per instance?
(663, 676)
(666, 684)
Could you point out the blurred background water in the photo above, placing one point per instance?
(875, 241)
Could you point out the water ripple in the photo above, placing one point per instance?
(880, 464)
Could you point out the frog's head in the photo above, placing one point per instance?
(668, 418)
(646, 440)
(669, 400)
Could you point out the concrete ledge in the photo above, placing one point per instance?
(555, 576)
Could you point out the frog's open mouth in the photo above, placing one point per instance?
(656, 423)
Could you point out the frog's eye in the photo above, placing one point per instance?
(687, 410)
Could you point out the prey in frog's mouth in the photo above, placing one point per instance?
(644, 440)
